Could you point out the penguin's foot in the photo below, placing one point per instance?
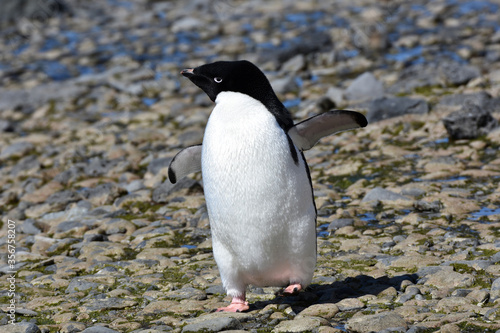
(292, 289)
(238, 304)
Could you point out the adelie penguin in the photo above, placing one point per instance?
(256, 180)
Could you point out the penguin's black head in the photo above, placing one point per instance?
(237, 76)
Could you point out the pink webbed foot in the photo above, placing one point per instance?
(292, 289)
(238, 304)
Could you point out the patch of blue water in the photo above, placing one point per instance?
(124, 4)
(454, 56)
(451, 179)
(189, 246)
(149, 101)
(50, 44)
(299, 81)
(443, 140)
(369, 217)
(85, 70)
(473, 7)
(411, 156)
(176, 57)
(21, 49)
(247, 27)
(214, 41)
(72, 39)
(302, 19)
(290, 103)
(186, 37)
(341, 327)
(322, 230)
(405, 54)
(53, 69)
(349, 53)
(483, 212)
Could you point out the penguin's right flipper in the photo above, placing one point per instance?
(308, 132)
(185, 162)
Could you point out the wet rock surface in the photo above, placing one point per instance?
(93, 110)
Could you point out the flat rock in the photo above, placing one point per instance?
(382, 194)
(450, 279)
(340, 223)
(16, 149)
(187, 293)
(364, 87)
(215, 316)
(453, 304)
(350, 304)
(112, 303)
(29, 99)
(159, 164)
(389, 107)
(72, 327)
(23, 327)
(213, 325)
(99, 329)
(327, 311)
(434, 73)
(495, 289)
(376, 322)
(78, 284)
(298, 325)
(161, 193)
(186, 24)
(157, 307)
(294, 64)
(285, 85)
(481, 99)
(304, 44)
(103, 194)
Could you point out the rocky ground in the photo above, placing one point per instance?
(93, 109)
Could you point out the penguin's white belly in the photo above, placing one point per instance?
(259, 201)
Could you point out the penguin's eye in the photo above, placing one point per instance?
(218, 79)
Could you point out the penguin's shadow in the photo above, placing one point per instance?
(351, 287)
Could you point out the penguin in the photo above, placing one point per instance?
(256, 181)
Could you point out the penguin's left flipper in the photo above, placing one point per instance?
(185, 162)
(308, 132)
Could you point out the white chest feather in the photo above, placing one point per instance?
(259, 200)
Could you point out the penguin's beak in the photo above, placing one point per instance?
(187, 72)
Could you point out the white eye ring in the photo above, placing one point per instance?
(218, 79)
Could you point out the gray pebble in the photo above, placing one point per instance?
(215, 290)
(495, 289)
(285, 85)
(78, 284)
(29, 227)
(99, 329)
(16, 149)
(381, 194)
(187, 293)
(213, 325)
(339, 223)
(364, 87)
